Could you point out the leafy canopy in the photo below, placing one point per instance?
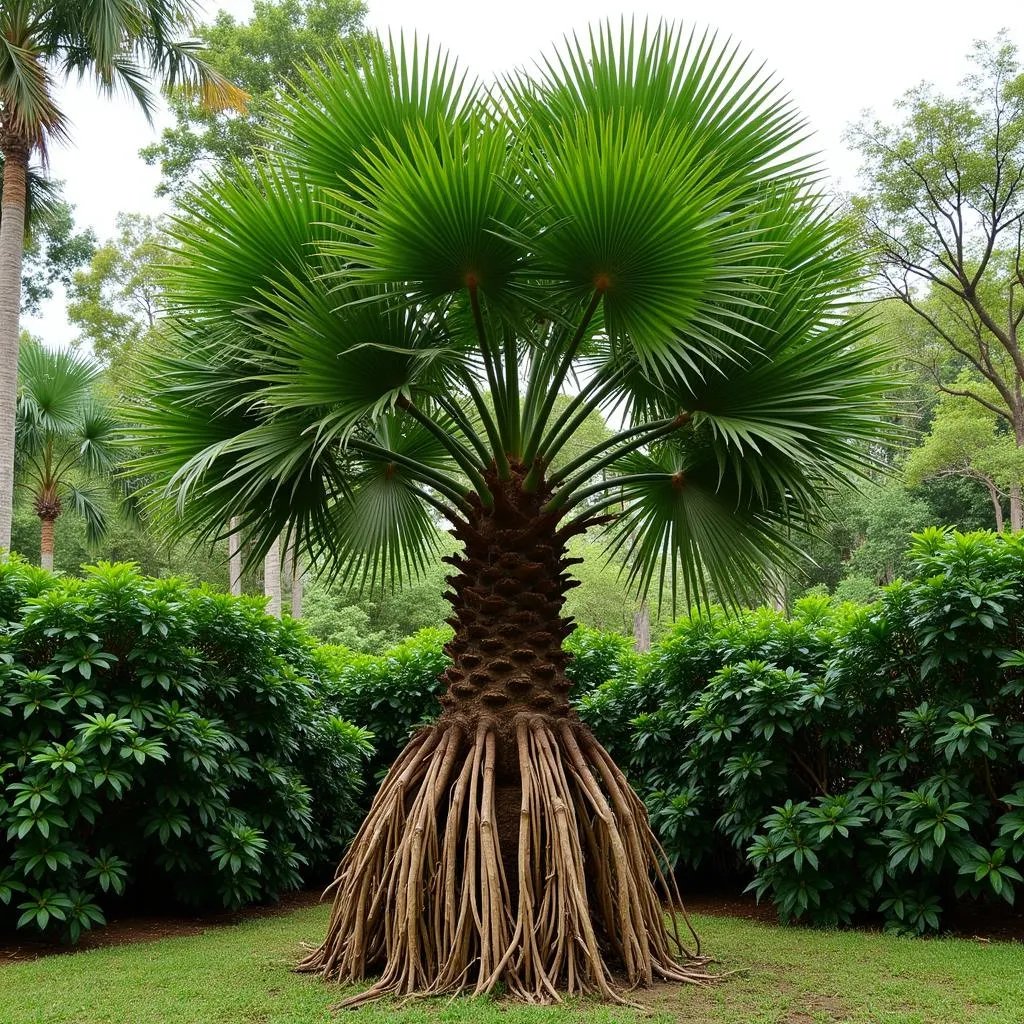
(429, 287)
(259, 56)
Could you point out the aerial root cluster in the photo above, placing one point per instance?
(423, 899)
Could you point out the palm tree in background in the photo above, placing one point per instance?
(65, 441)
(403, 317)
(120, 45)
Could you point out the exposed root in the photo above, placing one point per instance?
(425, 899)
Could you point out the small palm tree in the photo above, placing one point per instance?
(65, 439)
(407, 315)
(42, 41)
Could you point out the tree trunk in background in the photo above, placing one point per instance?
(777, 593)
(642, 628)
(272, 578)
(295, 562)
(46, 544)
(12, 242)
(512, 850)
(235, 560)
(997, 504)
(1016, 505)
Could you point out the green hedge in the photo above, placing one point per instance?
(390, 694)
(848, 761)
(159, 744)
(856, 760)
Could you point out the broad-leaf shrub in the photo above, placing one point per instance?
(598, 657)
(161, 744)
(390, 694)
(853, 758)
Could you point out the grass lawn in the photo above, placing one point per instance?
(241, 974)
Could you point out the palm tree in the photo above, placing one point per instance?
(373, 333)
(64, 437)
(41, 41)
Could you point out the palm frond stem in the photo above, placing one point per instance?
(646, 434)
(425, 474)
(554, 386)
(580, 406)
(655, 430)
(448, 441)
(493, 434)
(604, 485)
(494, 378)
(458, 414)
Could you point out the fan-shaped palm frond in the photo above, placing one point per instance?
(635, 229)
(65, 438)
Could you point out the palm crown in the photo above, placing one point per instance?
(65, 439)
(120, 45)
(375, 325)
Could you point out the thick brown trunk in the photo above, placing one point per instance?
(510, 848)
(12, 240)
(46, 544)
(507, 656)
(507, 600)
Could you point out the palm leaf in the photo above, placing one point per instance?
(87, 502)
(388, 313)
(364, 97)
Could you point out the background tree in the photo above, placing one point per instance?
(968, 440)
(119, 46)
(114, 301)
(260, 56)
(65, 441)
(943, 207)
(632, 228)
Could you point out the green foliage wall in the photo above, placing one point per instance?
(849, 760)
(162, 745)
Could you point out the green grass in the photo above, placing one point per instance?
(797, 976)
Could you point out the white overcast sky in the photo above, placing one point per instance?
(836, 59)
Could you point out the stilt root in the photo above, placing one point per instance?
(425, 900)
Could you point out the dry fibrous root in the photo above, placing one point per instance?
(428, 901)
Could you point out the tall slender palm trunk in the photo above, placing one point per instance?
(48, 508)
(12, 242)
(46, 544)
(504, 846)
(234, 559)
(272, 578)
